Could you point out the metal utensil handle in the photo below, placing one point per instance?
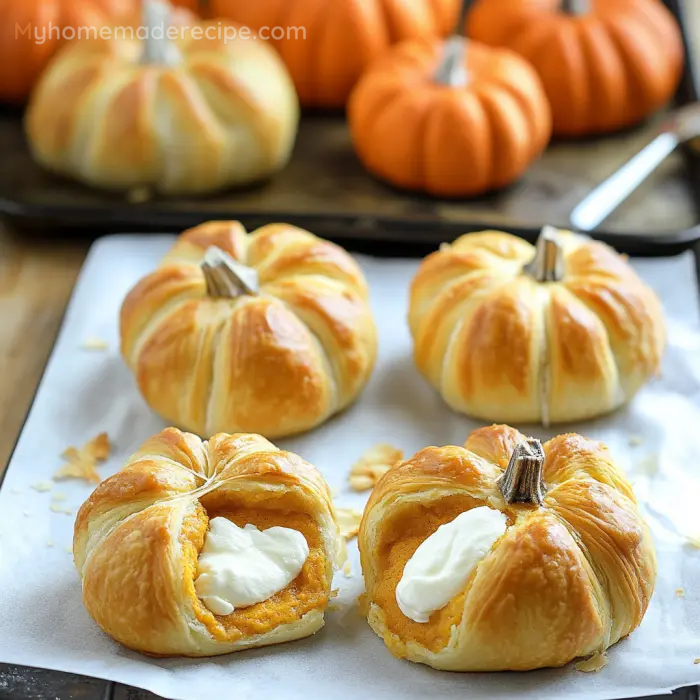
(606, 197)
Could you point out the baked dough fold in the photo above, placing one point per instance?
(502, 345)
(137, 540)
(569, 577)
(275, 362)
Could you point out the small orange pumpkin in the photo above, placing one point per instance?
(605, 64)
(327, 44)
(31, 31)
(450, 140)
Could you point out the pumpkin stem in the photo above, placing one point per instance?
(548, 263)
(226, 278)
(576, 7)
(451, 70)
(158, 48)
(522, 480)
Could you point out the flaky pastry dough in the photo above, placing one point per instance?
(569, 577)
(278, 362)
(137, 540)
(501, 345)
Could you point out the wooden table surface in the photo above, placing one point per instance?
(36, 279)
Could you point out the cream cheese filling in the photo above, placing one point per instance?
(241, 566)
(441, 566)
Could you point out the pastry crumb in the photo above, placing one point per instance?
(348, 522)
(373, 464)
(69, 550)
(334, 593)
(58, 508)
(335, 607)
(58, 496)
(696, 661)
(82, 463)
(43, 486)
(635, 440)
(593, 664)
(94, 344)
(347, 569)
(680, 592)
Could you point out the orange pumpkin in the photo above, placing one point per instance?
(449, 140)
(605, 64)
(31, 31)
(23, 24)
(327, 44)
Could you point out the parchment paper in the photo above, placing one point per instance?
(42, 620)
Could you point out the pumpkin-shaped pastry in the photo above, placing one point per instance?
(199, 549)
(449, 119)
(268, 332)
(604, 64)
(504, 554)
(32, 30)
(508, 332)
(191, 114)
(328, 45)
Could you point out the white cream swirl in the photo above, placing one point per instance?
(440, 567)
(239, 567)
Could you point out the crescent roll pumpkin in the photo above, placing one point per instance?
(570, 573)
(139, 536)
(509, 332)
(268, 332)
(207, 110)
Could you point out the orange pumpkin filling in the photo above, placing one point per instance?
(308, 591)
(399, 537)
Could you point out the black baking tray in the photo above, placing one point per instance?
(326, 190)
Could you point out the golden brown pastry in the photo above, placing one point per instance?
(507, 332)
(189, 116)
(139, 535)
(571, 573)
(277, 354)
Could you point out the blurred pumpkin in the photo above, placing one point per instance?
(32, 30)
(605, 64)
(327, 44)
(462, 138)
(188, 115)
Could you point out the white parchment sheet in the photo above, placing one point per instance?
(42, 620)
